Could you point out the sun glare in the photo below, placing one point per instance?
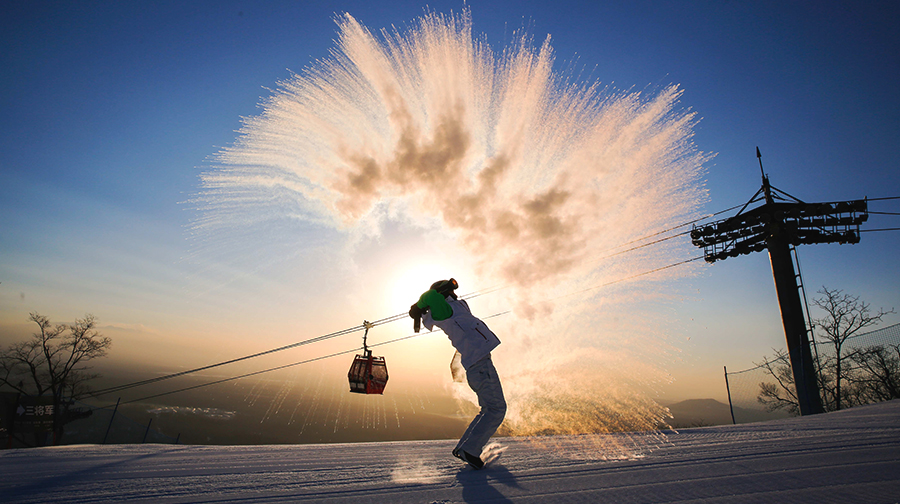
(413, 280)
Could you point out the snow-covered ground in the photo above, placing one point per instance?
(851, 456)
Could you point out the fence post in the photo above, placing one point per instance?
(728, 389)
(111, 420)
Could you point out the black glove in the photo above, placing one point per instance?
(416, 313)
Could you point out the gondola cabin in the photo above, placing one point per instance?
(368, 374)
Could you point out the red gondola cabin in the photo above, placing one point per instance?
(368, 375)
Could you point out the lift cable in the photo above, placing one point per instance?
(223, 363)
(654, 242)
(317, 339)
(673, 228)
(401, 316)
(881, 213)
(607, 284)
(285, 366)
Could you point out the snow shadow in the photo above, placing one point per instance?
(479, 485)
(67, 479)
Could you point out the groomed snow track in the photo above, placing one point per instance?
(847, 456)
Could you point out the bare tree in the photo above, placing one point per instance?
(781, 395)
(53, 362)
(880, 372)
(861, 376)
(845, 316)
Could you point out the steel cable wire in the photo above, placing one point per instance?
(401, 316)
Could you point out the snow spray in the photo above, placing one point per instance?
(538, 176)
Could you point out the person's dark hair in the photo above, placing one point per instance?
(446, 287)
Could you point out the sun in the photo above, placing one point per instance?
(407, 285)
(409, 267)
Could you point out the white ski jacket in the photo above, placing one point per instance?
(468, 334)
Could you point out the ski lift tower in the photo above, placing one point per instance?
(781, 222)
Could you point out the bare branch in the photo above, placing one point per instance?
(780, 395)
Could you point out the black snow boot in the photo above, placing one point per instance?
(467, 457)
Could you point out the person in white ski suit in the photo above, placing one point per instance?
(474, 341)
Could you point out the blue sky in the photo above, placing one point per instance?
(111, 111)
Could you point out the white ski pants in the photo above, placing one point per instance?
(483, 379)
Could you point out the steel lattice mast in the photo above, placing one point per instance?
(780, 222)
